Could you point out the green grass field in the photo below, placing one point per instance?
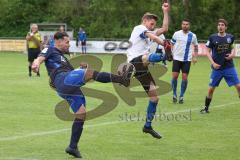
(30, 130)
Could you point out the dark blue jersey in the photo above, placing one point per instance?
(221, 46)
(55, 61)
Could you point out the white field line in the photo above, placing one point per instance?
(100, 124)
(16, 158)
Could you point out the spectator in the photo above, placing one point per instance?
(82, 37)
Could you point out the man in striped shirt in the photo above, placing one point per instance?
(183, 54)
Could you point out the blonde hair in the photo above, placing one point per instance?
(149, 16)
(34, 25)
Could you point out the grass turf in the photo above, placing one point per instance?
(30, 130)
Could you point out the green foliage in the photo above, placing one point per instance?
(115, 19)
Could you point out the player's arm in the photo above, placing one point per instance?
(29, 36)
(37, 62)
(215, 65)
(232, 54)
(164, 28)
(154, 38)
(195, 54)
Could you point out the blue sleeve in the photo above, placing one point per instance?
(143, 35)
(173, 40)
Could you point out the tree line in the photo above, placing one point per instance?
(116, 18)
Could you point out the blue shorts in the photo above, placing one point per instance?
(229, 74)
(68, 87)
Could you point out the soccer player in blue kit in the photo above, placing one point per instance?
(222, 46)
(67, 82)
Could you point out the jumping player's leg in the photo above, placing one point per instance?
(149, 86)
(145, 78)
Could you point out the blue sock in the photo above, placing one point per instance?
(155, 57)
(183, 87)
(77, 128)
(105, 77)
(174, 87)
(151, 110)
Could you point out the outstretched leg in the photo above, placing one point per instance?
(106, 77)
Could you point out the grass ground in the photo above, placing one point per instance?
(30, 130)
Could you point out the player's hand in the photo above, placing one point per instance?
(229, 56)
(165, 7)
(35, 67)
(194, 60)
(216, 66)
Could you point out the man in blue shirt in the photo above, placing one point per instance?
(82, 37)
(67, 82)
(221, 45)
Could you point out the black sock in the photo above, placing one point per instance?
(77, 128)
(29, 69)
(105, 77)
(207, 102)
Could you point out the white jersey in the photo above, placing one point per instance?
(182, 45)
(140, 42)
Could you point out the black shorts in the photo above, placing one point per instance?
(33, 54)
(83, 43)
(159, 50)
(183, 66)
(142, 74)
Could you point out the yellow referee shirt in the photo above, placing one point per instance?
(32, 43)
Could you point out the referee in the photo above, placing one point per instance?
(33, 44)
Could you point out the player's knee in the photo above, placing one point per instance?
(154, 99)
(210, 91)
(175, 75)
(184, 77)
(81, 113)
(88, 75)
(145, 60)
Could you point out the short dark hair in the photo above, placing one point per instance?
(186, 20)
(149, 16)
(60, 35)
(222, 21)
